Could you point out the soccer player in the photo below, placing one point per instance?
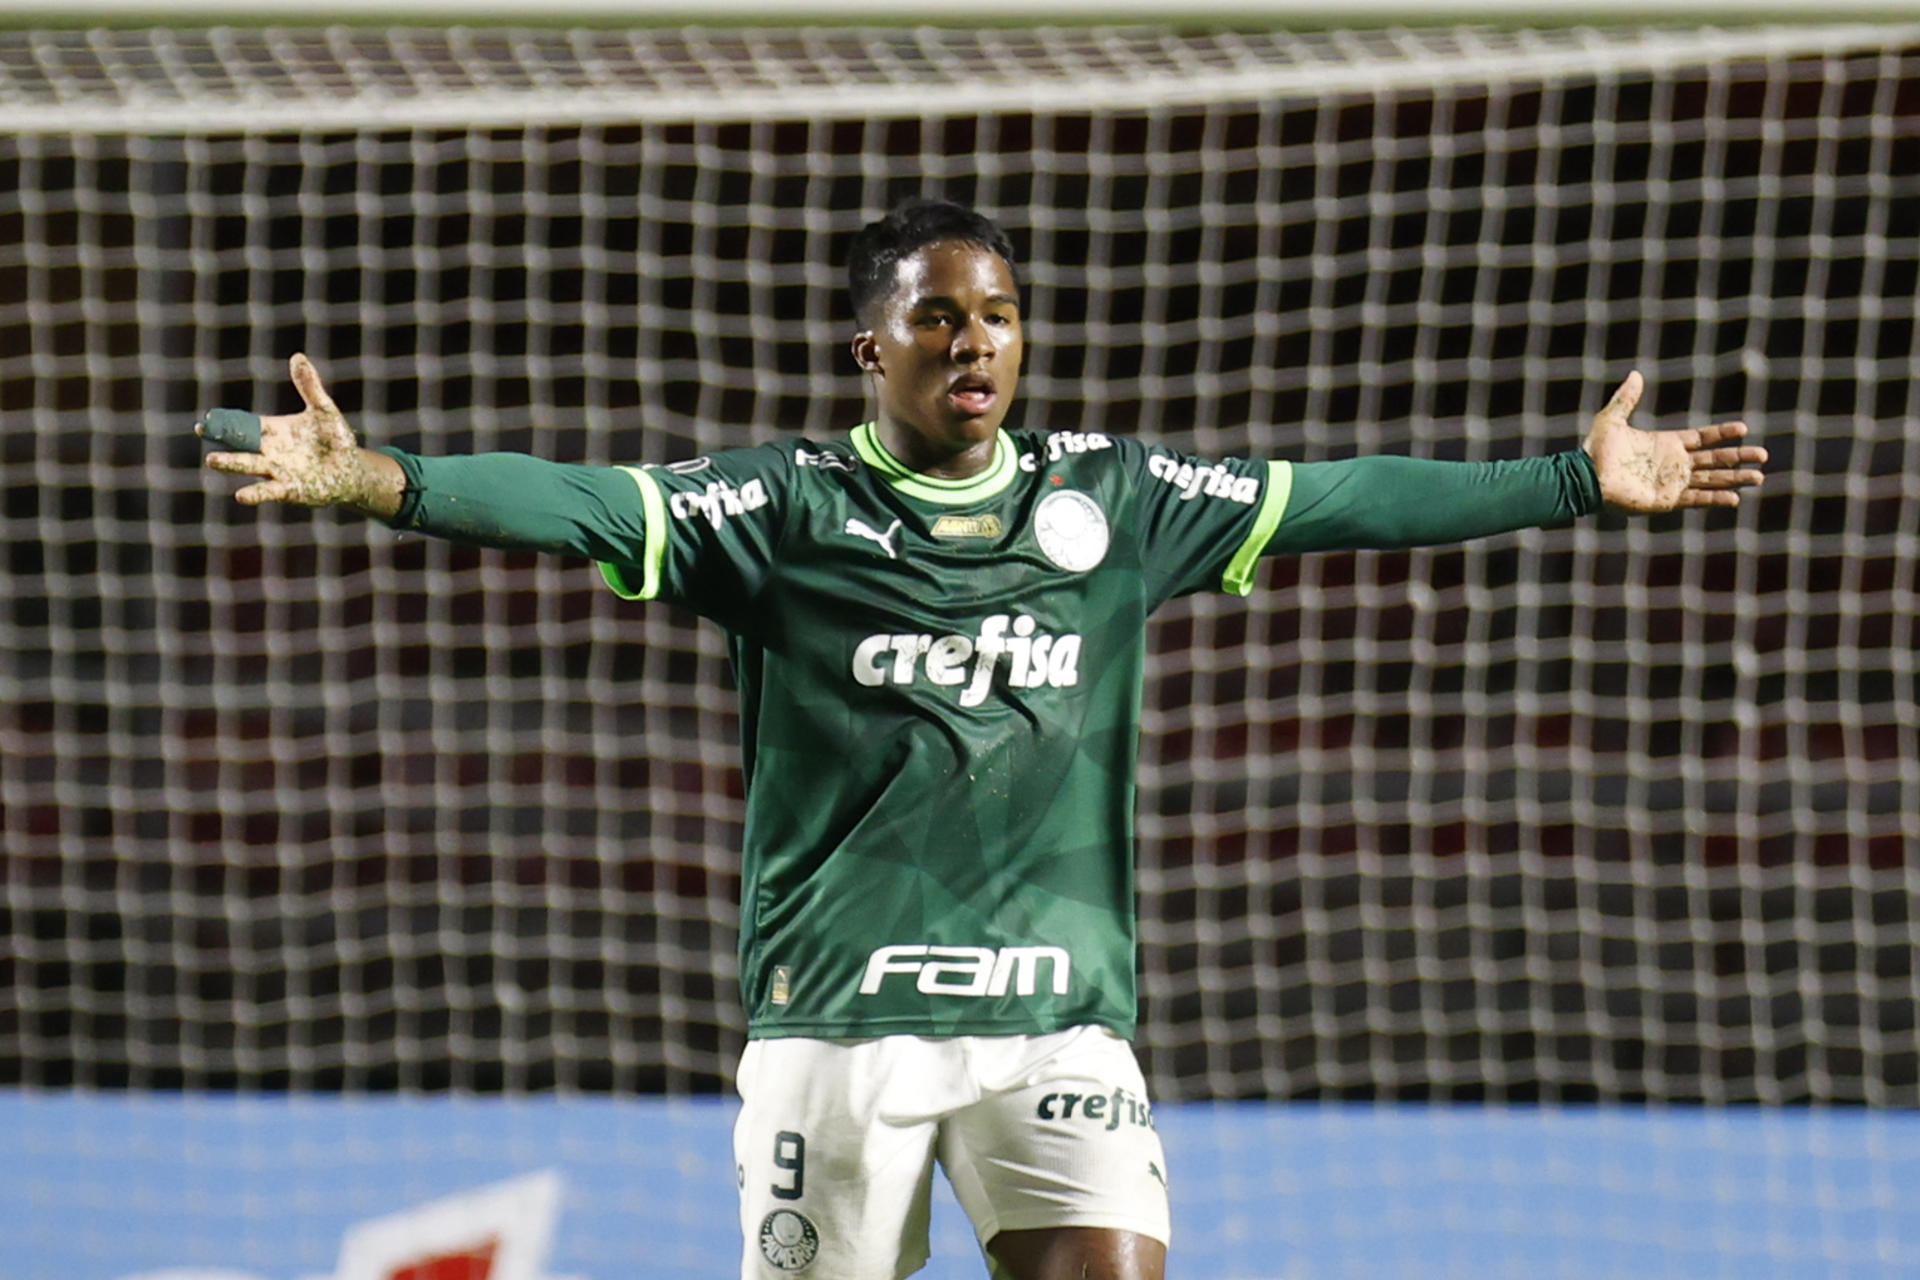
(938, 628)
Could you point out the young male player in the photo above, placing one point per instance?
(938, 628)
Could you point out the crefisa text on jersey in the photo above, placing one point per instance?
(719, 501)
(1215, 481)
(1062, 443)
(1035, 659)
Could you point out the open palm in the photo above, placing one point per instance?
(310, 458)
(1651, 471)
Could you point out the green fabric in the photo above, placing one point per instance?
(1388, 502)
(997, 476)
(1239, 575)
(519, 503)
(655, 508)
(940, 684)
(940, 697)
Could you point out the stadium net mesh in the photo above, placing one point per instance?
(1627, 810)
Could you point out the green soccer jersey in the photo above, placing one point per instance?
(940, 680)
(940, 683)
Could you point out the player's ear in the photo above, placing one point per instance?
(866, 351)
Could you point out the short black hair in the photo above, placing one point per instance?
(910, 227)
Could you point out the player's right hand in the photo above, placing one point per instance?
(310, 458)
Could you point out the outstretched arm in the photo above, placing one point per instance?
(504, 500)
(313, 459)
(1384, 501)
(1650, 471)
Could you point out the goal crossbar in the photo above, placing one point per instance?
(229, 81)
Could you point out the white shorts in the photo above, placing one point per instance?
(836, 1143)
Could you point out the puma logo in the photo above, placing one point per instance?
(861, 529)
(1158, 1176)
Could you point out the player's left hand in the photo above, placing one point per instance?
(1667, 470)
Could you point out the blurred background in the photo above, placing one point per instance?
(345, 871)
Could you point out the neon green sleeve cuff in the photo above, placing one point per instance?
(1273, 508)
(654, 555)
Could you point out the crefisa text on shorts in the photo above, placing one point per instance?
(1109, 1111)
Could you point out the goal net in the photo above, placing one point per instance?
(1625, 811)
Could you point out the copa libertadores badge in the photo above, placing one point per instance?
(1071, 530)
(788, 1240)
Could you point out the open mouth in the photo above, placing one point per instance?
(972, 394)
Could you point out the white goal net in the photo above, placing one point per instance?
(1618, 812)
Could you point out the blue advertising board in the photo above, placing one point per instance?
(107, 1187)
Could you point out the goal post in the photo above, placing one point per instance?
(1615, 813)
(1651, 760)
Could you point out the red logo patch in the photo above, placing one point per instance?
(468, 1264)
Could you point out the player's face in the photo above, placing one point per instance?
(945, 357)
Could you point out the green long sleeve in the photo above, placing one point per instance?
(512, 501)
(1383, 503)
(519, 503)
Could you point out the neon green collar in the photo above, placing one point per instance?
(998, 475)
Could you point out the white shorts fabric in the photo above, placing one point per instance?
(837, 1139)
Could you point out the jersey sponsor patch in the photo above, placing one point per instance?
(719, 502)
(826, 459)
(1034, 660)
(1071, 530)
(1214, 481)
(968, 971)
(788, 1240)
(1061, 443)
(987, 526)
